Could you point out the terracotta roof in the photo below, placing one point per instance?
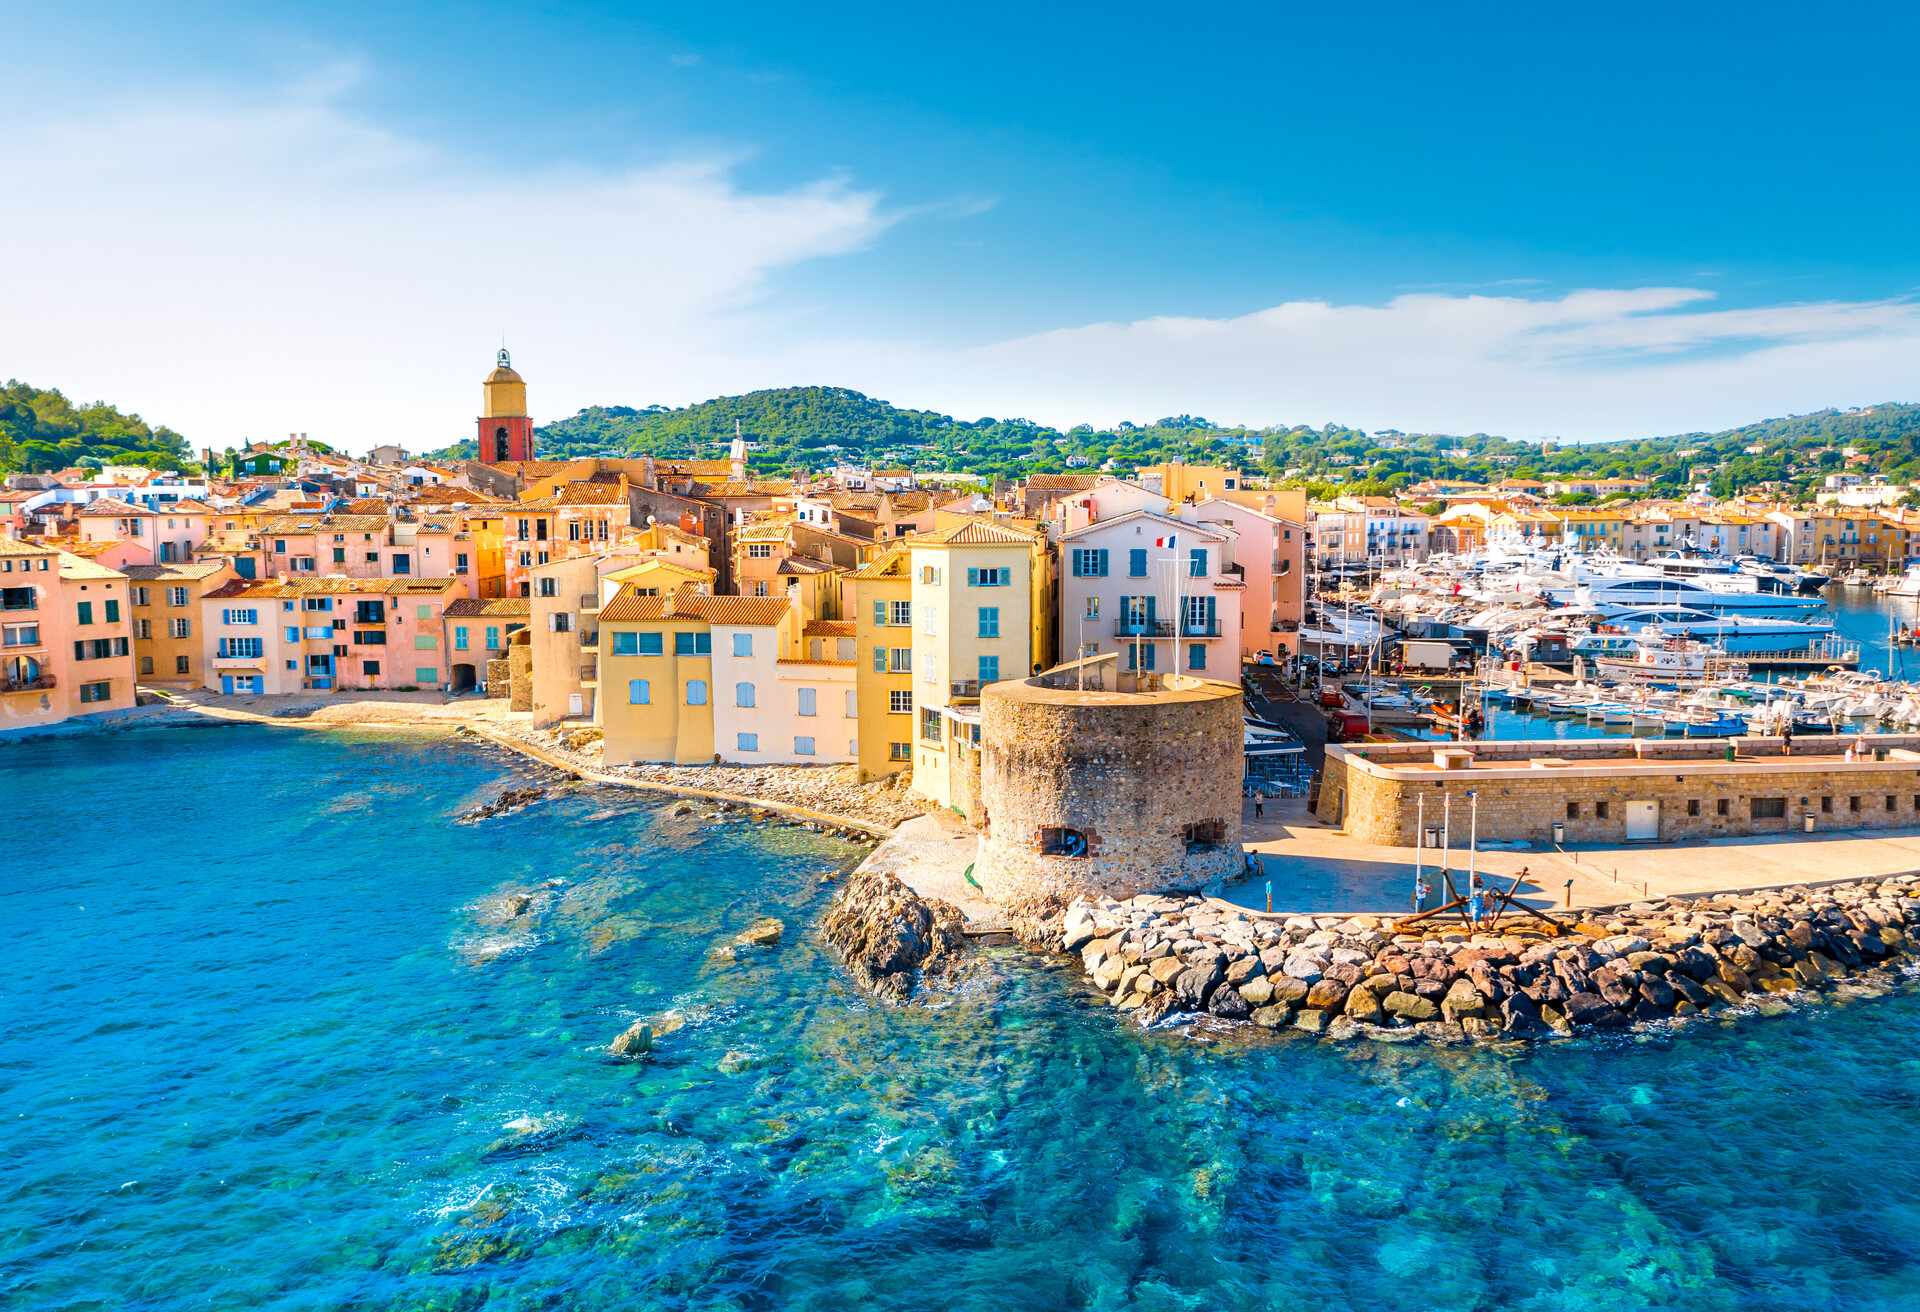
(513, 608)
(324, 523)
(1061, 482)
(184, 572)
(189, 506)
(76, 567)
(974, 533)
(830, 629)
(16, 547)
(334, 585)
(112, 506)
(891, 564)
(591, 493)
(738, 610)
(758, 487)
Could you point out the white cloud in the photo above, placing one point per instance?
(1589, 364)
(238, 265)
(241, 267)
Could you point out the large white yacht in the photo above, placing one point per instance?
(1732, 594)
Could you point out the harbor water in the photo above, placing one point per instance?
(273, 1043)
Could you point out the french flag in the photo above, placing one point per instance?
(1166, 541)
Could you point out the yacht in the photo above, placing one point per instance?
(1732, 594)
(1737, 635)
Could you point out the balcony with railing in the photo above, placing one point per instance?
(37, 683)
(1127, 626)
(590, 674)
(1200, 629)
(964, 689)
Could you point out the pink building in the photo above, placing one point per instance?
(1269, 553)
(66, 645)
(326, 634)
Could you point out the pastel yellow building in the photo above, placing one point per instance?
(881, 597)
(656, 679)
(974, 608)
(168, 645)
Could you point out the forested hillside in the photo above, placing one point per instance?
(816, 426)
(42, 430)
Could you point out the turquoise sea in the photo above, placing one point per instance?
(264, 1048)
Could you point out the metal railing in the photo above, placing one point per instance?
(35, 684)
(1138, 628)
(964, 688)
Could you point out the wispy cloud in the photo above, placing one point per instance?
(1589, 364)
(239, 265)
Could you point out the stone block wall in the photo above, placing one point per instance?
(520, 678)
(500, 678)
(1697, 799)
(1128, 773)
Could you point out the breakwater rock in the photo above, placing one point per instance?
(1349, 976)
(894, 941)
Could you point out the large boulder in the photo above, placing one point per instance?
(1591, 1010)
(894, 941)
(1363, 1005)
(1408, 1006)
(1327, 995)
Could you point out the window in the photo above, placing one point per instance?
(1197, 563)
(426, 642)
(626, 644)
(879, 660)
(989, 669)
(929, 574)
(989, 621)
(995, 577)
(1890, 802)
(696, 692)
(339, 555)
(182, 665)
(1090, 562)
(1196, 655)
(549, 587)
(279, 546)
(96, 692)
(806, 701)
(1137, 563)
(1720, 807)
(1573, 810)
(853, 706)
(1206, 836)
(180, 628)
(652, 644)
(803, 747)
(900, 702)
(143, 629)
(746, 742)
(638, 693)
(1286, 568)
(146, 665)
(1057, 840)
(85, 612)
(1853, 804)
(1140, 656)
(1600, 810)
(370, 637)
(902, 660)
(759, 550)
(1767, 808)
(460, 563)
(743, 694)
(426, 674)
(929, 725)
(900, 613)
(240, 649)
(743, 644)
(1826, 805)
(176, 596)
(899, 751)
(139, 595)
(560, 622)
(493, 637)
(1693, 806)
(1093, 608)
(687, 643)
(460, 637)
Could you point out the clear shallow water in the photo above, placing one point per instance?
(260, 1052)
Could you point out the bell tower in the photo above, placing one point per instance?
(506, 432)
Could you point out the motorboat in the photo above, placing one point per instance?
(1732, 594)
(1670, 661)
(1737, 635)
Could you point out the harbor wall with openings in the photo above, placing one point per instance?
(1094, 791)
(1604, 792)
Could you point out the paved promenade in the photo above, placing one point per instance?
(1602, 875)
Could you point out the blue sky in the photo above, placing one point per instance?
(1526, 220)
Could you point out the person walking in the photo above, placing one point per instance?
(1259, 804)
(1786, 738)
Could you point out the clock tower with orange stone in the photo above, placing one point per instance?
(506, 432)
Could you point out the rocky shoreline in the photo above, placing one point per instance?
(1169, 959)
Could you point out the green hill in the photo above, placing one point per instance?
(814, 427)
(43, 430)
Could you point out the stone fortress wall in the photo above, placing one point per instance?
(1089, 790)
(1601, 792)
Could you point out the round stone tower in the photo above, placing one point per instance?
(1091, 791)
